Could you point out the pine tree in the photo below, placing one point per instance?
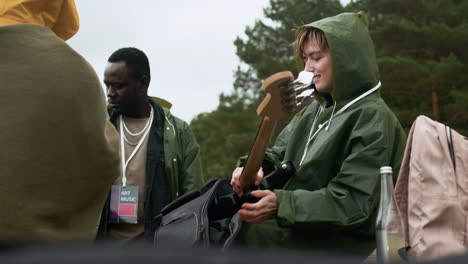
(422, 56)
(228, 132)
(224, 135)
(267, 49)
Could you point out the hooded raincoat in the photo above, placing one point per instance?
(59, 151)
(331, 202)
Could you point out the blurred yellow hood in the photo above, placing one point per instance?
(60, 16)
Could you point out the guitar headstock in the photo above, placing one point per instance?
(272, 105)
(281, 90)
(283, 94)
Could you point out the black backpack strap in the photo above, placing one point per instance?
(279, 178)
(448, 132)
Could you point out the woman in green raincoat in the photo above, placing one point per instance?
(338, 143)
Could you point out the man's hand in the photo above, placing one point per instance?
(235, 180)
(266, 208)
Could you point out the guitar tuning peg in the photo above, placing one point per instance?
(304, 77)
(303, 85)
(297, 93)
(304, 101)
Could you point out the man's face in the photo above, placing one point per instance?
(318, 62)
(122, 88)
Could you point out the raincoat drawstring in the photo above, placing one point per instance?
(331, 117)
(375, 88)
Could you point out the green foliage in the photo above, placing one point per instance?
(228, 132)
(267, 49)
(224, 135)
(422, 56)
(421, 48)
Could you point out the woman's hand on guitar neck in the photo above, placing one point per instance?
(266, 208)
(235, 180)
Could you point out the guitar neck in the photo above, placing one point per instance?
(257, 153)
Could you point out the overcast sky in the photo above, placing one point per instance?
(189, 43)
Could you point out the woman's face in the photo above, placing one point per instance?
(319, 63)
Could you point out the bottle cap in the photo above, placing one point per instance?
(386, 169)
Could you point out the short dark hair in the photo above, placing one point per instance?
(135, 60)
(304, 34)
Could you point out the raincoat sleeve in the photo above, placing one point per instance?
(351, 195)
(190, 176)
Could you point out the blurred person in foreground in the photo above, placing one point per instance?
(59, 152)
(338, 143)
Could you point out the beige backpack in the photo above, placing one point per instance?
(432, 191)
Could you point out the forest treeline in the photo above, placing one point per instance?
(421, 48)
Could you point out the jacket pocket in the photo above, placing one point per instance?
(182, 231)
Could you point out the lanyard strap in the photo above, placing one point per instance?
(375, 88)
(140, 142)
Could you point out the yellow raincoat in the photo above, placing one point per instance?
(58, 15)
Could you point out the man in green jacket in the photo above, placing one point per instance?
(338, 143)
(162, 157)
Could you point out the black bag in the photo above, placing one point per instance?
(208, 218)
(197, 219)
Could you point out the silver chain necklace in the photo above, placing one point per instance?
(147, 125)
(144, 128)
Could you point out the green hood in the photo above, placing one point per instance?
(352, 53)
